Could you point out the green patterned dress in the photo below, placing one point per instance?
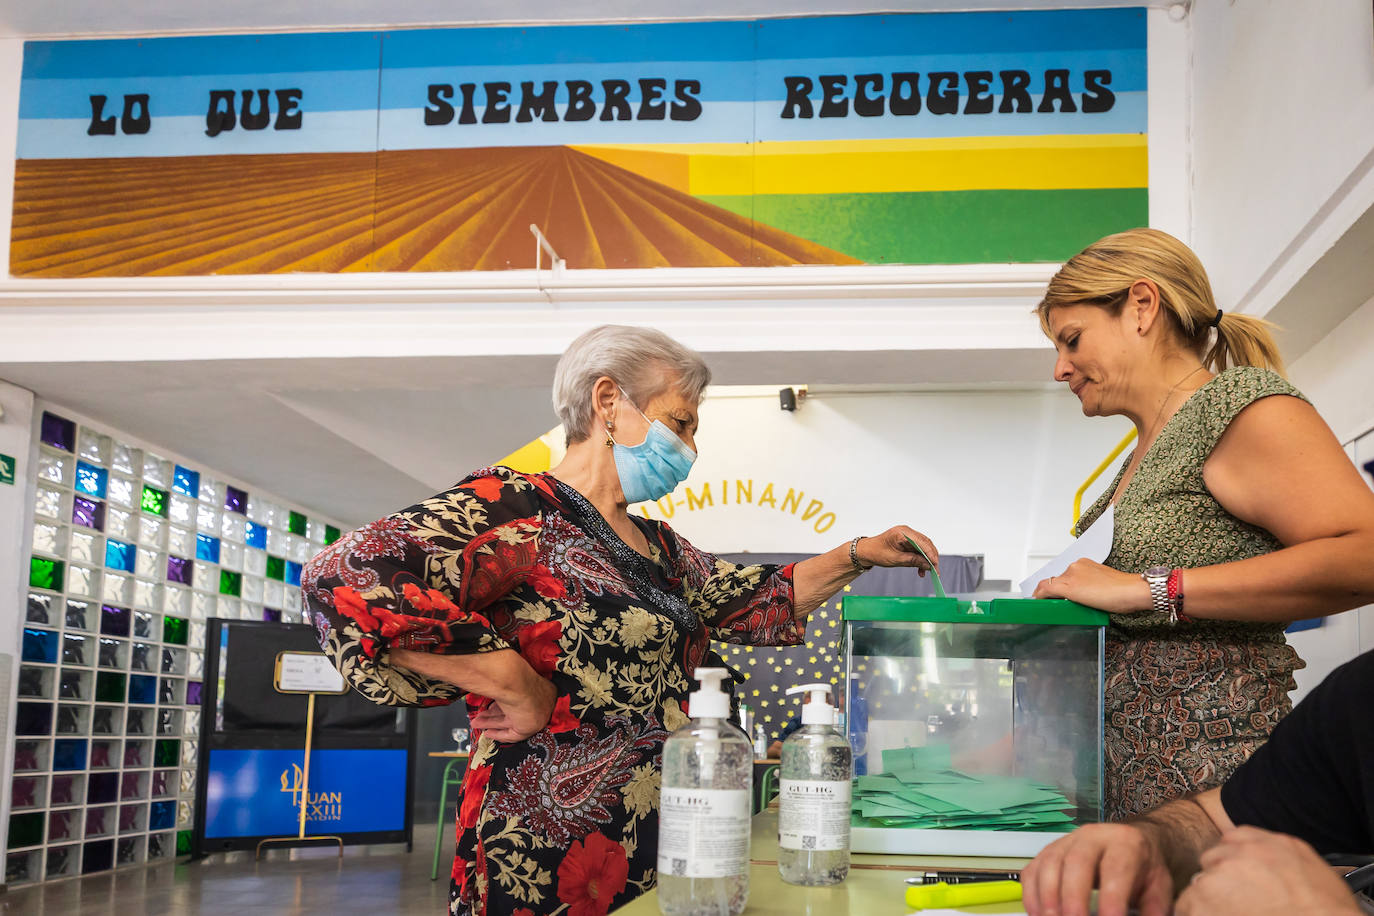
(1185, 705)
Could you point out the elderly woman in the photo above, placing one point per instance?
(1237, 513)
(571, 628)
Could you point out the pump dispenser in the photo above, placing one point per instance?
(703, 825)
(814, 796)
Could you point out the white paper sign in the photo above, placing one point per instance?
(308, 672)
(1094, 544)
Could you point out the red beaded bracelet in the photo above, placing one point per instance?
(1176, 596)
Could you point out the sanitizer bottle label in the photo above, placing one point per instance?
(813, 815)
(703, 833)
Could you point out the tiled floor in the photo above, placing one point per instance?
(376, 881)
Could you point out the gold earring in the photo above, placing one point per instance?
(610, 443)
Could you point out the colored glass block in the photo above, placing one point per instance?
(91, 479)
(207, 548)
(230, 583)
(119, 555)
(186, 481)
(179, 570)
(142, 688)
(193, 692)
(40, 645)
(26, 829)
(174, 630)
(58, 432)
(271, 615)
(97, 857)
(276, 568)
(255, 535)
(88, 513)
(33, 719)
(109, 687)
(45, 573)
(101, 788)
(183, 842)
(167, 752)
(115, 621)
(296, 523)
(162, 815)
(293, 573)
(235, 500)
(69, 754)
(154, 501)
(331, 534)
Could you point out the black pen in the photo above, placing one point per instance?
(962, 877)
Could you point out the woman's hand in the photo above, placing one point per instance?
(891, 548)
(1098, 586)
(518, 718)
(522, 701)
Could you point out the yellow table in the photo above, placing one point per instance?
(876, 883)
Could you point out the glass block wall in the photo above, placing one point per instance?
(131, 553)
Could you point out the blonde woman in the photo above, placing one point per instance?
(1237, 513)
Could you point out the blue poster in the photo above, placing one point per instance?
(252, 793)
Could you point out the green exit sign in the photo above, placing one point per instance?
(6, 469)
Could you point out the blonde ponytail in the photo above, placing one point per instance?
(1103, 273)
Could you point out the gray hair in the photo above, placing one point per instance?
(642, 361)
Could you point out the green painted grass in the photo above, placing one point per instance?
(950, 227)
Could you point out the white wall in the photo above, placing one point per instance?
(16, 519)
(984, 472)
(1282, 122)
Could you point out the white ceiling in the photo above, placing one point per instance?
(61, 18)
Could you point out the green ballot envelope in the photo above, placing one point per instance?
(976, 724)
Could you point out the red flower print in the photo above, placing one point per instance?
(591, 874)
(539, 645)
(546, 584)
(349, 603)
(523, 911)
(431, 600)
(474, 793)
(485, 488)
(562, 719)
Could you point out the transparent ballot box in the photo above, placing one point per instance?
(976, 724)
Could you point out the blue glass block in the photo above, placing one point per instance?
(207, 548)
(162, 815)
(91, 479)
(186, 481)
(255, 536)
(119, 555)
(142, 688)
(293, 573)
(69, 754)
(40, 645)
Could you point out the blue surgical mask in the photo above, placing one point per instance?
(655, 467)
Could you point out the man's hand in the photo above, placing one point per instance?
(1122, 860)
(1255, 872)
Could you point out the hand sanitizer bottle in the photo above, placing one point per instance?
(704, 807)
(814, 798)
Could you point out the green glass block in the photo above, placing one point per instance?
(166, 752)
(154, 501)
(26, 829)
(295, 523)
(276, 568)
(331, 534)
(174, 630)
(183, 842)
(109, 687)
(44, 573)
(230, 583)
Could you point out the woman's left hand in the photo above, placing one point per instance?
(1098, 586)
(891, 548)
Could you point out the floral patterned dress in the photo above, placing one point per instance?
(503, 560)
(1185, 705)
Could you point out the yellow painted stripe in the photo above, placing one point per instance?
(1055, 141)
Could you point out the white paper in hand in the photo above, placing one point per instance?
(1093, 544)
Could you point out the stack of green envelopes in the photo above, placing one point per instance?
(921, 789)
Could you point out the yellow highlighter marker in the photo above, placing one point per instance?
(929, 896)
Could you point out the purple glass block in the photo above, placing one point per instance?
(88, 512)
(58, 432)
(193, 693)
(115, 621)
(179, 570)
(270, 615)
(235, 500)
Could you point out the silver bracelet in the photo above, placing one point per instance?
(854, 555)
